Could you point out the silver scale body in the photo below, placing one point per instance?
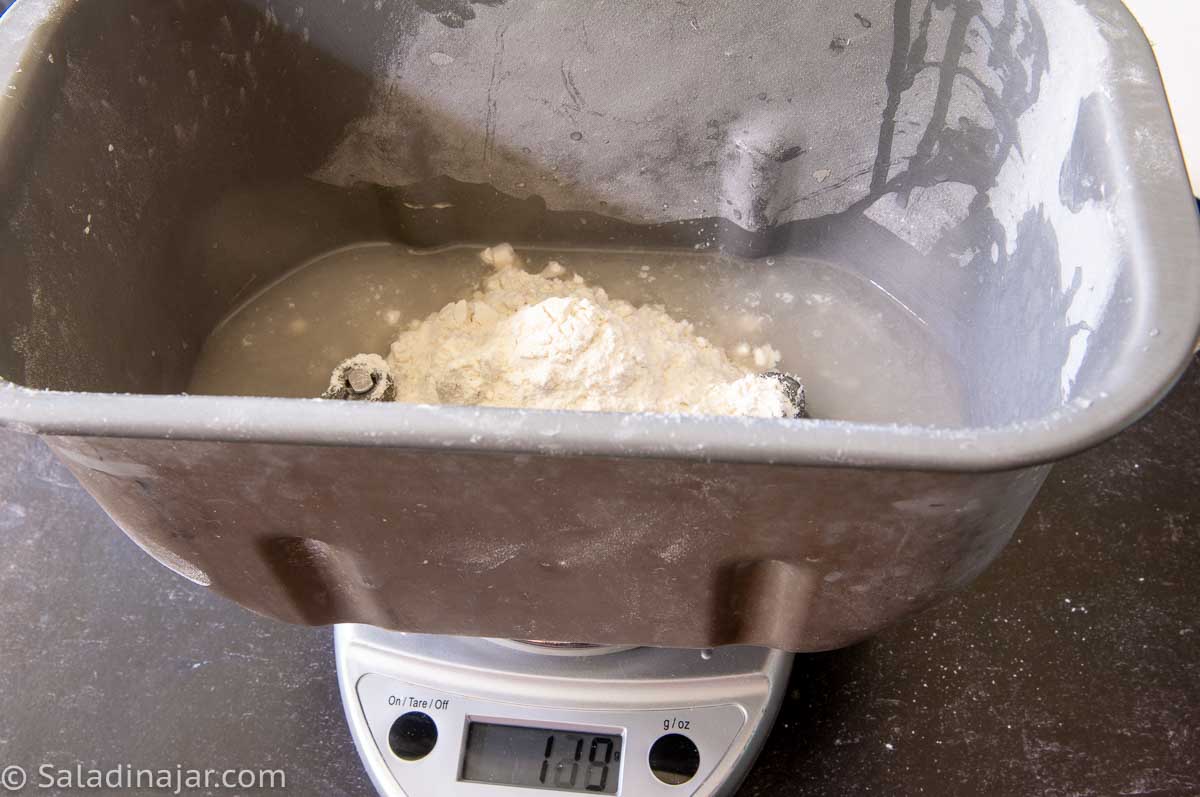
(724, 700)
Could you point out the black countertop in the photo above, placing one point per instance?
(1071, 667)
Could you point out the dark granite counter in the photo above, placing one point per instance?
(1072, 667)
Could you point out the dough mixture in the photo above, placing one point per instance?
(551, 341)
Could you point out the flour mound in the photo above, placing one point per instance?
(545, 341)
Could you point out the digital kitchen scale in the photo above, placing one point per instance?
(440, 715)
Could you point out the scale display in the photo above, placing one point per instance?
(442, 716)
(542, 758)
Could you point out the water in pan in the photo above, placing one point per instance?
(862, 355)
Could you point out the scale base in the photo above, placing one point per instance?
(681, 722)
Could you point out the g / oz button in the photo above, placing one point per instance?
(674, 759)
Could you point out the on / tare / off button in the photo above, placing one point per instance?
(413, 735)
(674, 759)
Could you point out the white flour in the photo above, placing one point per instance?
(547, 341)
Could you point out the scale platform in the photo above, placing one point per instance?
(466, 717)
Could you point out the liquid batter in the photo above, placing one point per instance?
(860, 354)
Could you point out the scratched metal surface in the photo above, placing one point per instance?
(1044, 315)
(1070, 668)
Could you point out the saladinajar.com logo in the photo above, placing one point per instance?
(169, 780)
